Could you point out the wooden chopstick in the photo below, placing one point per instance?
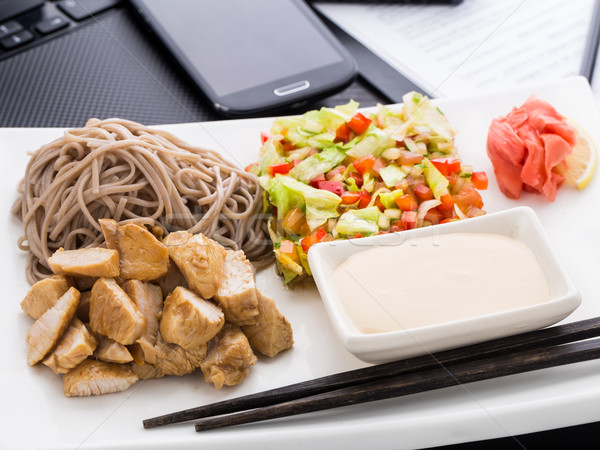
(546, 337)
(412, 383)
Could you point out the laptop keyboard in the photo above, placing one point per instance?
(25, 23)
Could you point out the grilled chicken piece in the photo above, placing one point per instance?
(228, 359)
(111, 351)
(91, 262)
(75, 345)
(141, 255)
(146, 371)
(45, 332)
(271, 333)
(171, 359)
(43, 295)
(171, 280)
(237, 291)
(188, 320)
(109, 230)
(148, 299)
(93, 377)
(199, 258)
(113, 314)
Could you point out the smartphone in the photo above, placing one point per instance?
(251, 56)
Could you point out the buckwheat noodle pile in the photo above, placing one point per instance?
(123, 170)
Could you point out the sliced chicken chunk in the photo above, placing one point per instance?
(141, 255)
(43, 295)
(271, 333)
(148, 298)
(146, 371)
(171, 359)
(111, 351)
(75, 345)
(199, 258)
(46, 331)
(109, 230)
(93, 377)
(92, 262)
(229, 358)
(237, 291)
(188, 320)
(113, 313)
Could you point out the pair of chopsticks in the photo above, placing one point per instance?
(549, 347)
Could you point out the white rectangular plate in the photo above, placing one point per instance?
(35, 414)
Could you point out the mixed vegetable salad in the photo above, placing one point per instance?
(336, 173)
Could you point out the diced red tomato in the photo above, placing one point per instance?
(447, 166)
(378, 165)
(408, 219)
(406, 203)
(249, 167)
(358, 179)
(359, 123)
(365, 199)
(281, 168)
(343, 133)
(296, 162)
(479, 180)
(350, 198)
(312, 239)
(316, 180)
(364, 163)
(264, 136)
(447, 203)
(423, 192)
(337, 187)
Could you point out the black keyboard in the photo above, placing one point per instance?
(26, 23)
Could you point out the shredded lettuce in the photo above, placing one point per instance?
(318, 164)
(271, 153)
(436, 181)
(286, 193)
(373, 143)
(391, 175)
(363, 221)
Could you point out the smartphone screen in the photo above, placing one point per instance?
(249, 56)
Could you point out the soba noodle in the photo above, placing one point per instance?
(123, 170)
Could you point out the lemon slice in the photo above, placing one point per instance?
(581, 163)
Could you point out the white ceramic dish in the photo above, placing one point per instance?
(518, 223)
(35, 414)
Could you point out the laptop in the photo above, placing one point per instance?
(64, 61)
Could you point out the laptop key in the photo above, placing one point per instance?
(16, 40)
(8, 28)
(11, 8)
(51, 25)
(82, 9)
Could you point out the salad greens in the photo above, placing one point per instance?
(337, 173)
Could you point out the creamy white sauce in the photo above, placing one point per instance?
(435, 279)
